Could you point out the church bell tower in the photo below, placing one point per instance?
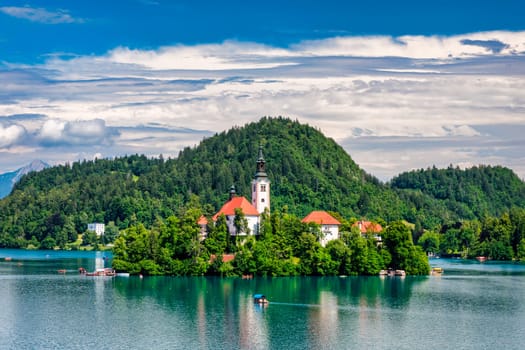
(261, 185)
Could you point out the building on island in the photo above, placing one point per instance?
(329, 225)
(250, 213)
(203, 224)
(368, 227)
(251, 210)
(260, 188)
(97, 227)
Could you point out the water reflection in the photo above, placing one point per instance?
(221, 311)
(42, 309)
(323, 320)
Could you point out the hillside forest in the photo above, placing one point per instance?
(476, 211)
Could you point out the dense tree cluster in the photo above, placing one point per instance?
(440, 196)
(285, 247)
(498, 238)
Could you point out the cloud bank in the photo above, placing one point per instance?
(394, 103)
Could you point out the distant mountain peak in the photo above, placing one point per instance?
(8, 180)
(35, 165)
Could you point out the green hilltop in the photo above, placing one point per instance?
(308, 172)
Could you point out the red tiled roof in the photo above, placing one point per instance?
(225, 257)
(320, 217)
(367, 226)
(237, 202)
(202, 220)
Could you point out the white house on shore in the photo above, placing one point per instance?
(368, 227)
(97, 227)
(329, 225)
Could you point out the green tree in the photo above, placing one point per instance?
(517, 218)
(429, 241)
(449, 242)
(521, 250)
(89, 238)
(48, 243)
(405, 256)
(217, 240)
(340, 254)
(110, 233)
(307, 247)
(240, 223)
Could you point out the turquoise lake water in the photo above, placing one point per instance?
(471, 306)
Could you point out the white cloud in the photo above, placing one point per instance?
(228, 55)
(80, 132)
(40, 15)
(411, 46)
(349, 87)
(52, 130)
(234, 55)
(10, 135)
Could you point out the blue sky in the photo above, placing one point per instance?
(400, 85)
(95, 27)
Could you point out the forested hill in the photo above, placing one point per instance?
(471, 193)
(307, 171)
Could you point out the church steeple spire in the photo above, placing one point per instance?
(261, 185)
(261, 164)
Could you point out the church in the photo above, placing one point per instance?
(259, 204)
(251, 210)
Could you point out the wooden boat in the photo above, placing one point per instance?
(392, 273)
(260, 299)
(436, 271)
(101, 272)
(400, 273)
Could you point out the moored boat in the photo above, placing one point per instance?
(260, 299)
(436, 271)
(392, 273)
(100, 272)
(400, 273)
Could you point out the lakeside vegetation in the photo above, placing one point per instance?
(284, 247)
(477, 211)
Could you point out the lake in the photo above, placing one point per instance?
(471, 306)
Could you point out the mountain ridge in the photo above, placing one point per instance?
(9, 179)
